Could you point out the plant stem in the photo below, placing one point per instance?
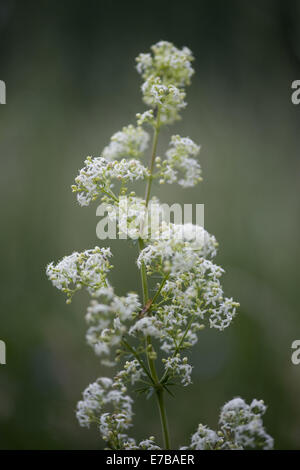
(159, 391)
(145, 299)
(110, 194)
(144, 275)
(163, 418)
(154, 147)
(160, 287)
(133, 351)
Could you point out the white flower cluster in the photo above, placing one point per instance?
(132, 372)
(87, 269)
(204, 439)
(243, 424)
(178, 248)
(165, 72)
(145, 118)
(191, 294)
(240, 427)
(180, 161)
(166, 61)
(135, 219)
(106, 393)
(167, 98)
(97, 175)
(108, 319)
(177, 366)
(130, 142)
(148, 326)
(113, 425)
(147, 444)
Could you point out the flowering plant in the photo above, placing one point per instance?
(147, 337)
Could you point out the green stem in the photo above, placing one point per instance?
(163, 418)
(144, 275)
(154, 147)
(151, 363)
(133, 351)
(159, 391)
(160, 287)
(110, 194)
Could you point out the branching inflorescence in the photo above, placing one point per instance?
(147, 337)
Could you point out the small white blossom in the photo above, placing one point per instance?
(146, 444)
(204, 439)
(106, 393)
(131, 142)
(241, 427)
(179, 247)
(243, 423)
(149, 326)
(180, 161)
(146, 117)
(108, 320)
(97, 176)
(168, 98)
(132, 372)
(168, 62)
(176, 366)
(87, 269)
(135, 219)
(165, 72)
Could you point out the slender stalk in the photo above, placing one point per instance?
(144, 275)
(110, 194)
(133, 351)
(145, 299)
(163, 418)
(160, 287)
(159, 391)
(154, 147)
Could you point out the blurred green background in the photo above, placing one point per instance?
(71, 83)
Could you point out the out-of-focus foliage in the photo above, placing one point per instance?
(62, 63)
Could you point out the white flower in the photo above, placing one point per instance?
(130, 142)
(176, 366)
(146, 117)
(144, 62)
(87, 269)
(204, 439)
(168, 98)
(244, 424)
(97, 176)
(135, 219)
(193, 287)
(241, 427)
(132, 372)
(149, 326)
(165, 73)
(179, 247)
(146, 444)
(168, 62)
(180, 161)
(108, 319)
(106, 393)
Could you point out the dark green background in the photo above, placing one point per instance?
(71, 83)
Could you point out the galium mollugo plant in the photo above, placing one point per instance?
(144, 338)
